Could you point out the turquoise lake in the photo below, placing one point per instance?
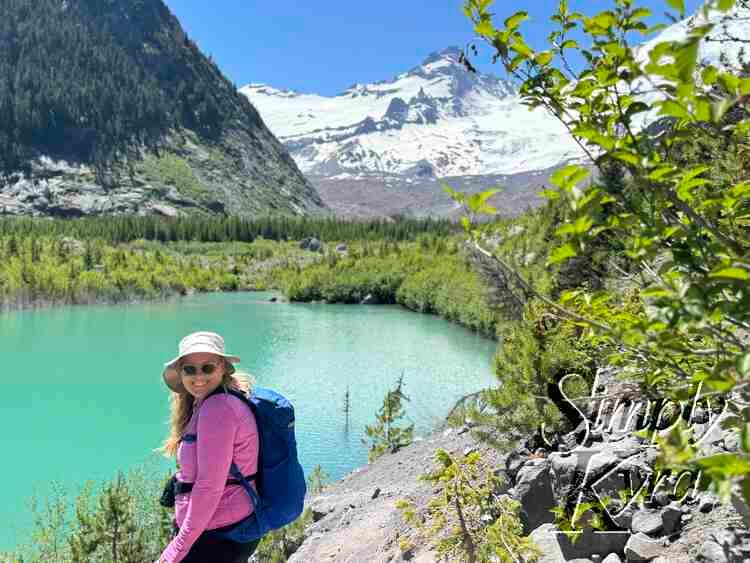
(83, 397)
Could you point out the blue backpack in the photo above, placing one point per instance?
(280, 481)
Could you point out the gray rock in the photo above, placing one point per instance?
(564, 467)
(592, 542)
(670, 517)
(725, 538)
(546, 538)
(707, 502)
(314, 245)
(661, 498)
(341, 248)
(646, 521)
(580, 560)
(712, 552)
(513, 463)
(612, 558)
(640, 547)
(533, 490)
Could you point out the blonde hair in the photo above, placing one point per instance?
(181, 406)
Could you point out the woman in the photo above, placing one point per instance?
(226, 431)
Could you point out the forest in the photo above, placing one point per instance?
(95, 80)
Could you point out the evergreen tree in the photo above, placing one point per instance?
(109, 532)
(384, 435)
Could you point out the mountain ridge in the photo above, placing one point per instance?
(109, 107)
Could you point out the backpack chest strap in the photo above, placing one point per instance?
(182, 487)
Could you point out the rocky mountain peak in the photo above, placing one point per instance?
(445, 65)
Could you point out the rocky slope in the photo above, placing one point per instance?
(356, 519)
(108, 107)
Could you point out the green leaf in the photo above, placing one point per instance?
(725, 5)
(640, 13)
(721, 382)
(544, 58)
(522, 49)
(514, 21)
(569, 176)
(678, 5)
(732, 272)
(550, 194)
(562, 253)
(726, 464)
(685, 60)
(661, 171)
(729, 82)
(626, 156)
(744, 86)
(604, 20)
(674, 109)
(718, 109)
(484, 28)
(709, 75)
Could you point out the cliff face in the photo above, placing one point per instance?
(108, 107)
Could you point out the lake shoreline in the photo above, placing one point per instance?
(45, 304)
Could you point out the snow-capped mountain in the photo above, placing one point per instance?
(386, 147)
(436, 120)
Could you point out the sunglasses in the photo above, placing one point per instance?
(206, 369)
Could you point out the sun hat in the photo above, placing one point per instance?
(202, 341)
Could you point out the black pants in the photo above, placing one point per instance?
(210, 549)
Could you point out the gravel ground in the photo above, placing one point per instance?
(359, 521)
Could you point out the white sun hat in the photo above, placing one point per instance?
(203, 341)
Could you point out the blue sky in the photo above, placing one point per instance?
(324, 46)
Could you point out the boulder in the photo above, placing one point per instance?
(670, 517)
(589, 546)
(533, 489)
(545, 537)
(646, 521)
(712, 552)
(612, 558)
(640, 547)
(564, 467)
(314, 245)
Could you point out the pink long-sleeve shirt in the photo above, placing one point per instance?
(226, 431)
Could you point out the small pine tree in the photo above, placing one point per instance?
(316, 480)
(110, 531)
(385, 436)
(12, 246)
(88, 257)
